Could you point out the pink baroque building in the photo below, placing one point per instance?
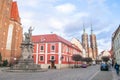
(51, 50)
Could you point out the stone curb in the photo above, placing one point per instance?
(24, 71)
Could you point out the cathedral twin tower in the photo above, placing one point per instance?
(92, 50)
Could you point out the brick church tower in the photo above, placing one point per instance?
(92, 50)
(85, 43)
(93, 44)
(10, 30)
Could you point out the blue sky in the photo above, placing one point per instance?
(66, 18)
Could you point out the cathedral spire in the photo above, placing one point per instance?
(91, 29)
(83, 28)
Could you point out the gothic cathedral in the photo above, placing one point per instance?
(10, 30)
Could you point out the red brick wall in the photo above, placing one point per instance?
(5, 21)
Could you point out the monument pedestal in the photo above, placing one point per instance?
(26, 65)
(26, 62)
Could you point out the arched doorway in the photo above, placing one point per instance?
(52, 64)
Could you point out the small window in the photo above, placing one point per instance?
(63, 58)
(41, 58)
(52, 57)
(52, 47)
(67, 50)
(41, 48)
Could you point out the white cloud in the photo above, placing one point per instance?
(32, 3)
(78, 17)
(96, 1)
(57, 15)
(66, 8)
(81, 14)
(55, 23)
(27, 3)
(102, 30)
(103, 45)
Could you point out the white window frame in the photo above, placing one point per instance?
(52, 46)
(51, 57)
(40, 58)
(43, 48)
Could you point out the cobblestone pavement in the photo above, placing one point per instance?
(103, 75)
(90, 73)
(107, 75)
(115, 76)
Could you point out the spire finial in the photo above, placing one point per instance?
(83, 28)
(91, 27)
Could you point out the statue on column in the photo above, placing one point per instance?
(28, 35)
(26, 61)
(30, 32)
(27, 45)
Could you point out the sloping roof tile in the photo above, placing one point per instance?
(51, 38)
(14, 12)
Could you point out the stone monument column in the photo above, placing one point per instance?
(26, 61)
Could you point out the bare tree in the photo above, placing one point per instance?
(105, 58)
(76, 58)
(87, 59)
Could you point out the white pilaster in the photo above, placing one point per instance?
(59, 52)
(46, 51)
(37, 54)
